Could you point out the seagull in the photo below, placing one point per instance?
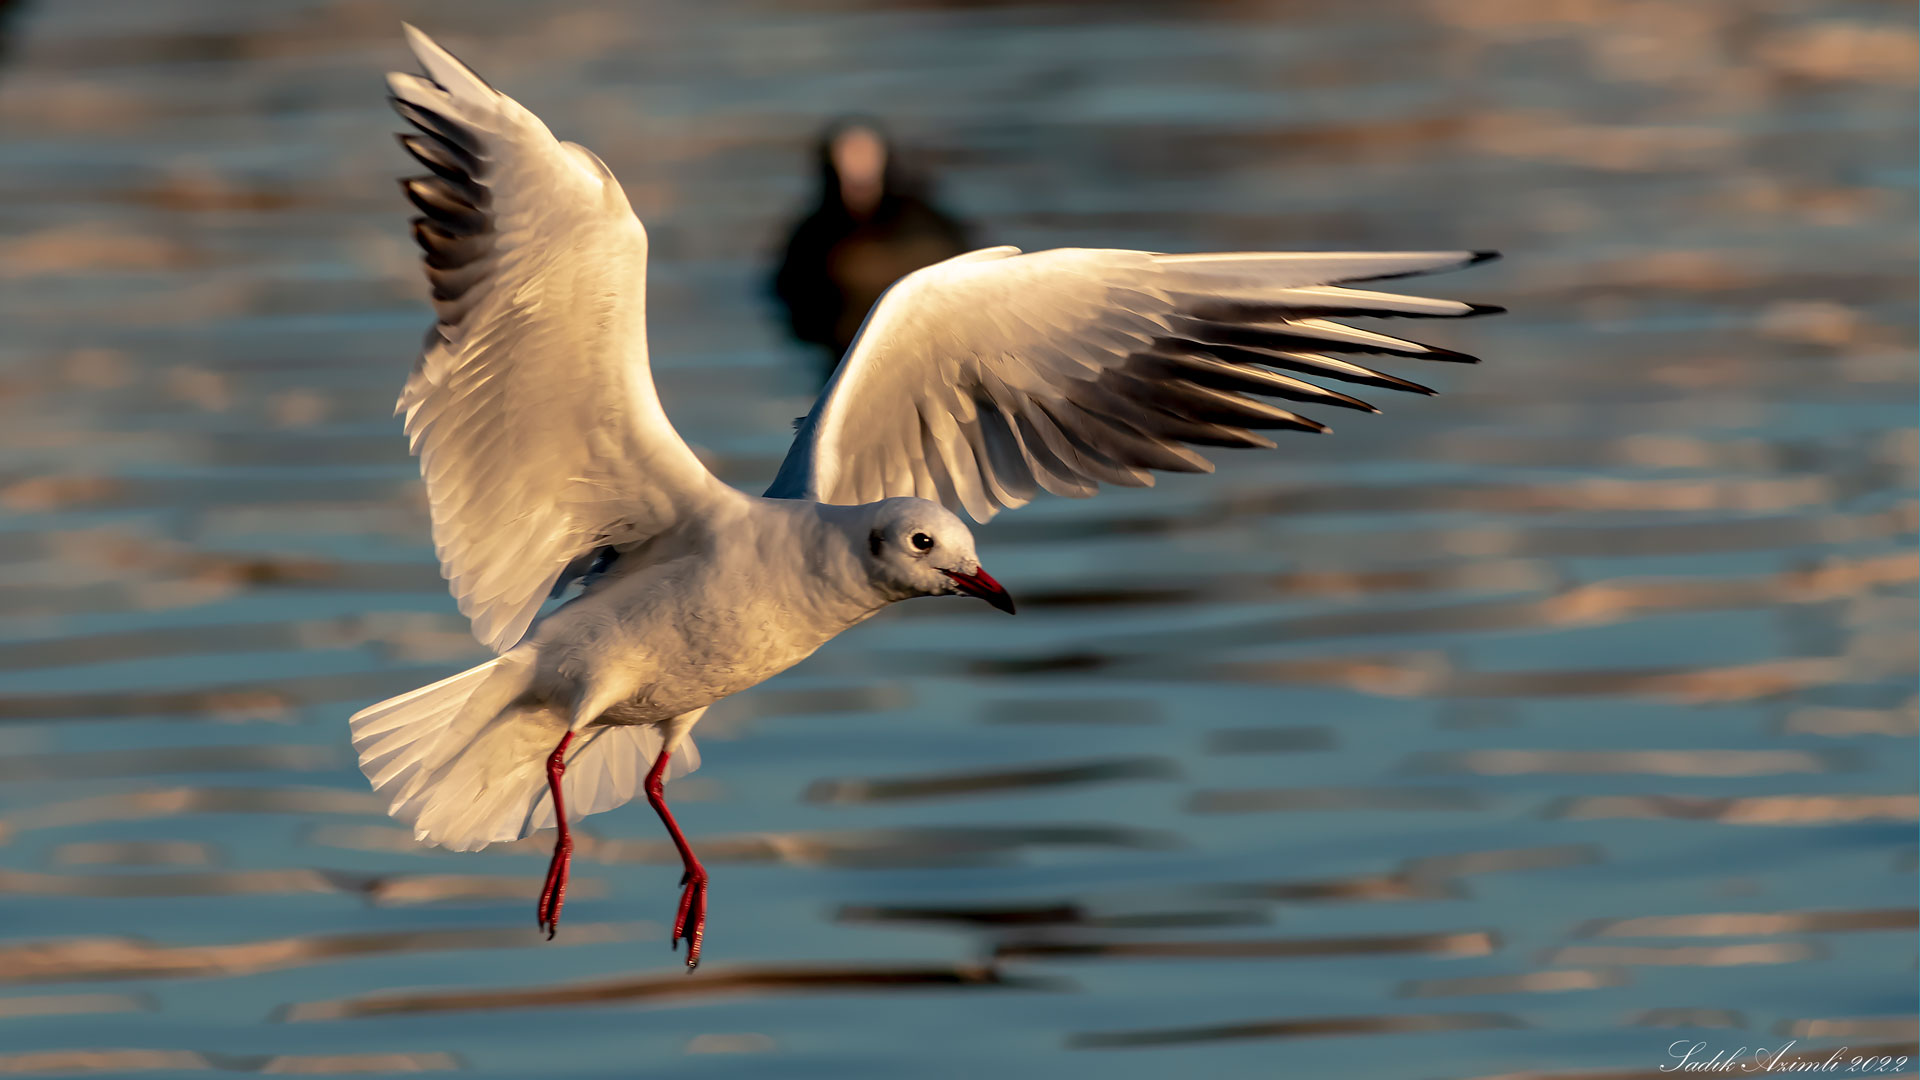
(551, 469)
(873, 223)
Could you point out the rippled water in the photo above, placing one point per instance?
(1521, 731)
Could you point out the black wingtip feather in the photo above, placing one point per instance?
(444, 250)
(468, 68)
(1482, 256)
(445, 159)
(1300, 423)
(448, 131)
(1485, 309)
(438, 200)
(1448, 356)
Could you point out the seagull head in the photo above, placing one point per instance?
(919, 548)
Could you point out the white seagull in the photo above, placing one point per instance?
(974, 384)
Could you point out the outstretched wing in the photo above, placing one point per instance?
(981, 379)
(532, 409)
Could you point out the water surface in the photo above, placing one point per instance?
(1521, 731)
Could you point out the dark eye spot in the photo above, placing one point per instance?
(922, 541)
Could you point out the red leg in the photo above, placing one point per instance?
(555, 892)
(690, 921)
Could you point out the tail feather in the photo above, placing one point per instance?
(401, 734)
(463, 761)
(481, 795)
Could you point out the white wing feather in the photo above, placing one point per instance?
(532, 409)
(977, 381)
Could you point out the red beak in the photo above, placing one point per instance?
(981, 584)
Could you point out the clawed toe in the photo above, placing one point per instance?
(690, 921)
(553, 895)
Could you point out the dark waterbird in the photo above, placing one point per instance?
(874, 222)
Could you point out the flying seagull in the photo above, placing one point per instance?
(977, 383)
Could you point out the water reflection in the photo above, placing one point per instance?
(1471, 943)
(1255, 800)
(1299, 1029)
(1759, 810)
(1688, 1018)
(934, 787)
(159, 762)
(393, 891)
(1886, 1028)
(1052, 915)
(1500, 861)
(1753, 924)
(125, 1062)
(66, 1004)
(135, 853)
(92, 959)
(170, 802)
(1649, 762)
(1530, 726)
(1532, 982)
(1360, 887)
(1784, 952)
(676, 987)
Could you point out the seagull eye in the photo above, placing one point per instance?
(922, 541)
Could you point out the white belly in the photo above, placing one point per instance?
(663, 646)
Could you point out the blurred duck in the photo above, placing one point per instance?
(873, 224)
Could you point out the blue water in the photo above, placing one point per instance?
(1524, 731)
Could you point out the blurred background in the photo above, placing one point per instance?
(1524, 731)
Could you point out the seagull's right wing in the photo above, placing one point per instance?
(532, 409)
(980, 379)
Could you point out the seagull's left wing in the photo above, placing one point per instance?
(980, 380)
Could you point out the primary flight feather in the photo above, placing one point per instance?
(975, 384)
